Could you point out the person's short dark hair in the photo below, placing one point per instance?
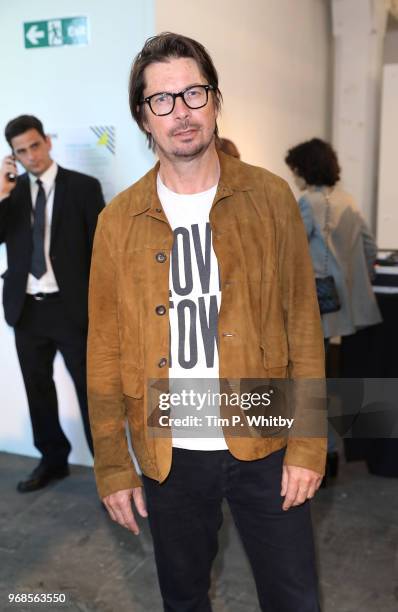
(22, 124)
(315, 161)
(161, 48)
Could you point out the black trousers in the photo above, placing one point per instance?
(372, 353)
(44, 328)
(185, 515)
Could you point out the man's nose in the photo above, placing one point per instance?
(32, 155)
(180, 108)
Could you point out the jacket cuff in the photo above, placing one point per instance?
(308, 453)
(106, 485)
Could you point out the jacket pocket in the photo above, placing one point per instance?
(132, 380)
(143, 447)
(275, 351)
(274, 345)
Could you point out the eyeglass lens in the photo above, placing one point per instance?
(194, 97)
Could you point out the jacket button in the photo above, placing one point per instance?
(160, 310)
(161, 257)
(158, 210)
(162, 362)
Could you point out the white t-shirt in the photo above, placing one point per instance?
(195, 296)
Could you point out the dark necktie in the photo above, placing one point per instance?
(38, 267)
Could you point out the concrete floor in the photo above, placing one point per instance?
(60, 540)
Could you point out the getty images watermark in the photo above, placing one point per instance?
(360, 408)
(208, 404)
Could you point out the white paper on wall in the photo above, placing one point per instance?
(88, 149)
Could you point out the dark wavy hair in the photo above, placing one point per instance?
(161, 48)
(315, 161)
(22, 124)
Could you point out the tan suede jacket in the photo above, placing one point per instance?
(269, 323)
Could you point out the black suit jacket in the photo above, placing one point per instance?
(78, 200)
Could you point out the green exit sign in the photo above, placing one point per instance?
(56, 32)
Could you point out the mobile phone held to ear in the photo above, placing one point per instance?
(12, 176)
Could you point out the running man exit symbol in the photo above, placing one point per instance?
(56, 32)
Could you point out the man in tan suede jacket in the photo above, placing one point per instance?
(201, 269)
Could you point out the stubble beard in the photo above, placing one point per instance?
(185, 152)
(188, 154)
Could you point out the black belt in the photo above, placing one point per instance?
(40, 297)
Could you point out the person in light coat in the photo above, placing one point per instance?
(348, 247)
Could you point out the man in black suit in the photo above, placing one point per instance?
(47, 220)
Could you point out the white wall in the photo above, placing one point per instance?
(387, 212)
(68, 86)
(273, 60)
(387, 197)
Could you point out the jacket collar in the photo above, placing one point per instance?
(233, 178)
(59, 198)
(234, 175)
(23, 187)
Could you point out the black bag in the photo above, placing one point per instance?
(328, 298)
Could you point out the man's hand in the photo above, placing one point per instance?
(6, 186)
(298, 485)
(119, 507)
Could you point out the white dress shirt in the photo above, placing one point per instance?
(47, 283)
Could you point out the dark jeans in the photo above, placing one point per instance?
(44, 328)
(185, 516)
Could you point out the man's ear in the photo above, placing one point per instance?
(49, 142)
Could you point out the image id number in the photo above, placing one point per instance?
(37, 598)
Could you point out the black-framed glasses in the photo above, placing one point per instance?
(163, 103)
